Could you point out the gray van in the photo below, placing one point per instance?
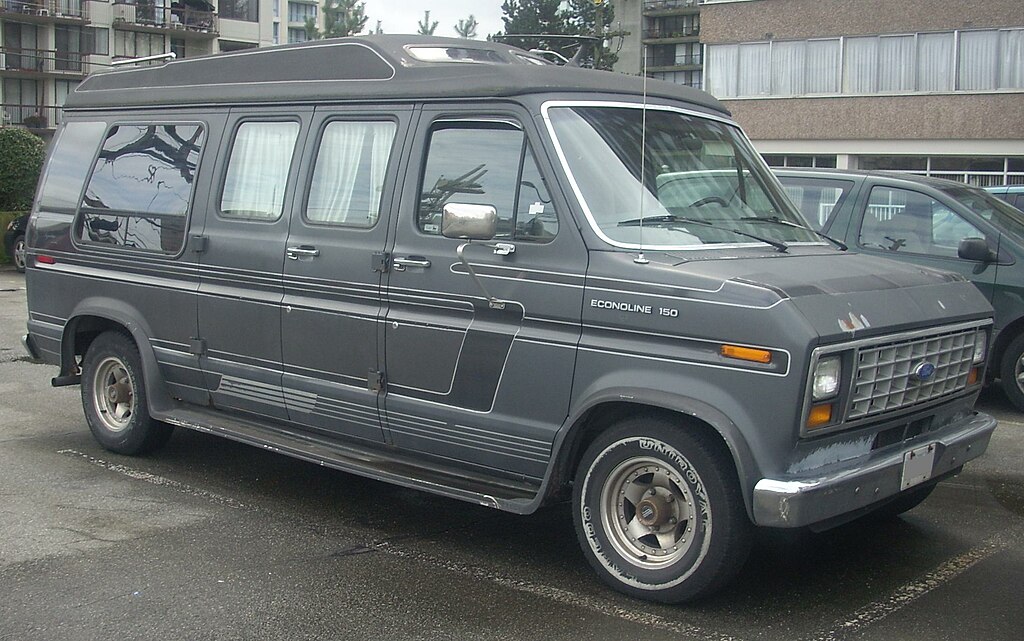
(450, 266)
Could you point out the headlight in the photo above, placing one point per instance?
(980, 347)
(826, 378)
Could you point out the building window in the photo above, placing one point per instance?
(277, 33)
(299, 12)
(297, 34)
(247, 10)
(980, 60)
(178, 48)
(780, 160)
(131, 44)
(983, 171)
(22, 99)
(96, 41)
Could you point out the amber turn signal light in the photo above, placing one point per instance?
(974, 375)
(747, 354)
(820, 415)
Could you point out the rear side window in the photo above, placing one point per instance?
(257, 176)
(349, 176)
(69, 164)
(141, 186)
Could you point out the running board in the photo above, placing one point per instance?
(364, 461)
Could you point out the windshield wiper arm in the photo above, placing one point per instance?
(654, 220)
(778, 221)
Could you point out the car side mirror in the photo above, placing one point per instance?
(469, 222)
(976, 249)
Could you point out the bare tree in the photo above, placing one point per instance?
(426, 26)
(467, 28)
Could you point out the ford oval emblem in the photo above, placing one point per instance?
(924, 371)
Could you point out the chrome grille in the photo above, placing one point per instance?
(885, 380)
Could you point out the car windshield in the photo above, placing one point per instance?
(1005, 217)
(700, 183)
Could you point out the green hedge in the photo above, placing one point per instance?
(6, 217)
(21, 159)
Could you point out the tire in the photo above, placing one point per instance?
(902, 503)
(1011, 372)
(114, 397)
(693, 532)
(18, 253)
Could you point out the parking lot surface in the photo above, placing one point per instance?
(211, 539)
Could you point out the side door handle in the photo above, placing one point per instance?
(303, 251)
(401, 263)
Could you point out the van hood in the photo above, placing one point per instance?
(842, 295)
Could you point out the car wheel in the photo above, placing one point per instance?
(1011, 372)
(18, 251)
(114, 397)
(658, 511)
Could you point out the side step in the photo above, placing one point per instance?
(375, 463)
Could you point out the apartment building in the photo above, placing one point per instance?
(663, 38)
(48, 46)
(933, 87)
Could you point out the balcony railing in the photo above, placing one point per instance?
(672, 61)
(666, 5)
(171, 18)
(77, 9)
(71, 63)
(685, 32)
(31, 116)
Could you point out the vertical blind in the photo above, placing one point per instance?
(977, 60)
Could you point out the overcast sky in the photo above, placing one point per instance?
(403, 16)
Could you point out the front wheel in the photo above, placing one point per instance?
(1011, 372)
(658, 511)
(114, 397)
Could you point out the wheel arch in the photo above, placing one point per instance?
(95, 316)
(1003, 339)
(604, 410)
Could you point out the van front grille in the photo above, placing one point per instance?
(898, 374)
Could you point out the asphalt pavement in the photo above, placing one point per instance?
(211, 539)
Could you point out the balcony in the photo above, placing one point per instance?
(41, 63)
(39, 118)
(194, 20)
(671, 7)
(679, 35)
(45, 11)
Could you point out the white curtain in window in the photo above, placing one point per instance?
(860, 65)
(822, 67)
(979, 55)
(349, 174)
(1011, 59)
(788, 62)
(722, 72)
(896, 63)
(936, 58)
(258, 170)
(755, 69)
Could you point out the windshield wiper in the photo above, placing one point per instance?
(654, 220)
(778, 221)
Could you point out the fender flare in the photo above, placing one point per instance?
(125, 315)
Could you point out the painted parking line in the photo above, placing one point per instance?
(910, 592)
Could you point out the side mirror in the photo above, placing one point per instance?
(469, 222)
(976, 249)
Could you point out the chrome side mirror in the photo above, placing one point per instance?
(469, 222)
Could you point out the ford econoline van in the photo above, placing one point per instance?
(451, 266)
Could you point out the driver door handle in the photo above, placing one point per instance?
(401, 263)
(304, 251)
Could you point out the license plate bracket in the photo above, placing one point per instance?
(917, 465)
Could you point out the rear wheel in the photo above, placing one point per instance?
(114, 397)
(18, 251)
(658, 511)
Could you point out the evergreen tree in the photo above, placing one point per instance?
(378, 29)
(467, 28)
(341, 18)
(581, 18)
(427, 27)
(534, 17)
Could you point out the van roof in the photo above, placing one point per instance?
(378, 67)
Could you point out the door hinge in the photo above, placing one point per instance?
(198, 243)
(375, 381)
(379, 261)
(197, 346)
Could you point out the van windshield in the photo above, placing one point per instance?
(702, 183)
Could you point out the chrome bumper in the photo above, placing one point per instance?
(796, 502)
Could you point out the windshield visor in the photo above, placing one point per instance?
(694, 170)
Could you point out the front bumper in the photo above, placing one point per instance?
(796, 502)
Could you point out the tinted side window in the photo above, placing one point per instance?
(141, 186)
(486, 164)
(816, 198)
(901, 220)
(69, 164)
(349, 175)
(261, 157)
